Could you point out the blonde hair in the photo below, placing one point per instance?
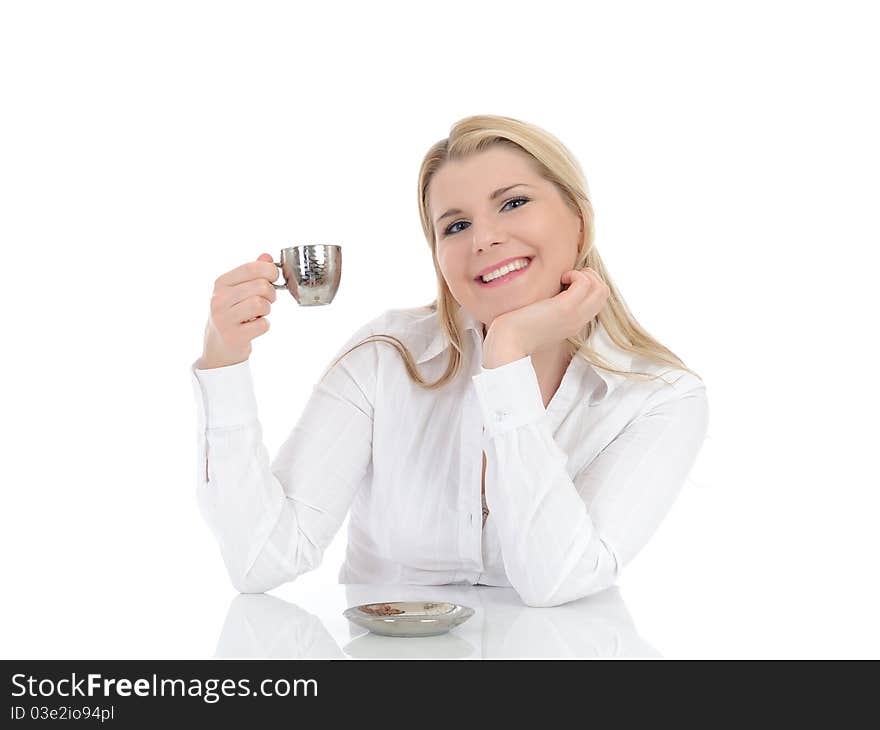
(553, 162)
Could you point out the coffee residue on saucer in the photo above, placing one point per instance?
(382, 609)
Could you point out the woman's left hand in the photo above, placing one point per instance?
(520, 332)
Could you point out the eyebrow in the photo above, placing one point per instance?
(500, 191)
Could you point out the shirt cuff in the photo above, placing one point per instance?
(509, 396)
(224, 396)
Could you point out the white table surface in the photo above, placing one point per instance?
(501, 627)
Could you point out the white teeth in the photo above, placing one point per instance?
(518, 264)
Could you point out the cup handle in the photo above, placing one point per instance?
(279, 286)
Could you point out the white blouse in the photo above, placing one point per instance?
(574, 490)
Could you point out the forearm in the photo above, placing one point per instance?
(553, 552)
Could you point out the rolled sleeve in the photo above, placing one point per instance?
(224, 396)
(509, 396)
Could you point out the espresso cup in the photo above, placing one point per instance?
(311, 272)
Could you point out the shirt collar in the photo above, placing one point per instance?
(438, 343)
(600, 341)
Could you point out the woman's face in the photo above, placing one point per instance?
(481, 232)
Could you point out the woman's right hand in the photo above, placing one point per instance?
(242, 298)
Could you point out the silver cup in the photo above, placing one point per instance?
(311, 272)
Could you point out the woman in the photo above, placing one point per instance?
(586, 425)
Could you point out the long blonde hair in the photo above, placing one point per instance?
(556, 164)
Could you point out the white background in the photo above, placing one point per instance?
(147, 147)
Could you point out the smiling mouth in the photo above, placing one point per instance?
(507, 277)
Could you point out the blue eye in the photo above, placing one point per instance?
(449, 231)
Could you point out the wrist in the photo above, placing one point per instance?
(500, 349)
(211, 359)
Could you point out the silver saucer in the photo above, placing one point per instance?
(409, 618)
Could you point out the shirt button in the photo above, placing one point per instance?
(501, 415)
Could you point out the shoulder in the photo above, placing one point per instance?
(673, 380)
(676, 395)
(654, 384)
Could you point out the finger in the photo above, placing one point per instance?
(597, 294)
(588, 288)
(255, 328)
(596, 281)
(259, 269)
(569, 277)
(576, 280)
(248, 310)
(594, 276)
(248, 289)
(582, 273)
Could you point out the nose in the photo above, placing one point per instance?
(484, 238)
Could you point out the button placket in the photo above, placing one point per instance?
(470, 539)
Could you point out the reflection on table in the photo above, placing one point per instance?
(263, 625)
